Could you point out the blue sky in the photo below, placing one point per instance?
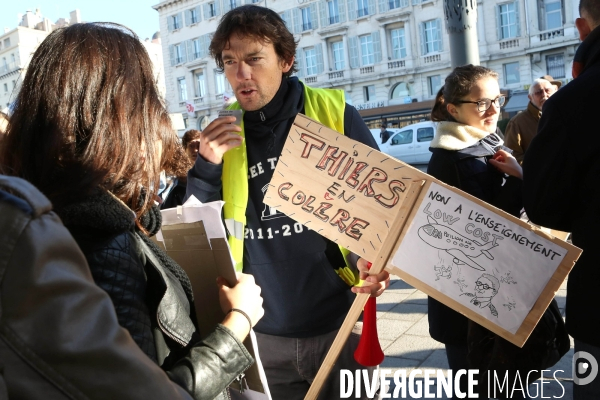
(136, 14)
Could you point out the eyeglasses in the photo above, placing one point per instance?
(484, 286)
(485, 104)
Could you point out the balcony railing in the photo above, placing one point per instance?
(336, 75)
(6, 68)
(507, 44)
(182, 103)
(367, 70)
(432, 58)
(219, 96)
(551, 34)
(198, 100)
(310, 79)
(396, 64)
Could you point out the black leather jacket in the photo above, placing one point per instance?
(150, 301)
(59, 335)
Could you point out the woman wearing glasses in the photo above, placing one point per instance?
(467, 154)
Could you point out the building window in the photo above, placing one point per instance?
(310, 59)
(400, 91)
(306, 21)
(397, 3)
(337, 49)
(178, 53)
(5, 88)
(511, 73)
(435, 83)
(221, 83)
(14, 83)
(369, 93)
(199, 83)
(555, 65)
(367, 52)
(192, 16)
(507, 21)
(211, 9)
(431, 36)
(181, 89)
(6, 43)
(552, 14)
(398, 43)
(362, 8)
(174, 22)
(334, 11)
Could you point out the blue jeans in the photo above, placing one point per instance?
(291, 364)
(591, 391)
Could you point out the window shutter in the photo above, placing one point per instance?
(320, 64)
(517, 19)
(170, 23)
(423, 43)
(376, 46)
(189, 46)
(384, 6)
(300, 62)
(204, 44)
(324, 11)
(353, 51)
(297, 17)
(172, 54)
(226, 6)
(199, 13)
(206, 10)
(188, 17)
(217, 7)
(285, 16)
(438, 33)
(351, 10)
(498, 23)
(371, 6)
(314, 16)
(342, 10)
(180, 15)
(183, 52)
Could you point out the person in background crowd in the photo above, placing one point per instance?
(191, 143)
(562, 185)
(553, 81)
(55, 319)
(384, 134)
(173, 194)
(523, 127)
(90, 131)
(306, 281)
(467, 154)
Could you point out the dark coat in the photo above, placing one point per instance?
(562, 187)
(469, 170)
(152, 297)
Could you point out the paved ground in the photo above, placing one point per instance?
(404, 337)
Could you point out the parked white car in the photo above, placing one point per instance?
(409, 144)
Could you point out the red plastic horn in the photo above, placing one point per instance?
(369, 353)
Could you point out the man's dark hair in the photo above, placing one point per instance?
(254, 22)
(591, 8)
(89, 115)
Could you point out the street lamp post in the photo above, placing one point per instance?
(461, 19)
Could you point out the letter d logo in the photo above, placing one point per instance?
(585, 368)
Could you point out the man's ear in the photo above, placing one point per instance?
(583, 27)
(286, 65)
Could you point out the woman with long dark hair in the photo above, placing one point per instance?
(467, 154)
(91, 132)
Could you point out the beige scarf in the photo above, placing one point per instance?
(456, 136)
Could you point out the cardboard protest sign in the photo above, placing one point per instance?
(453, 246)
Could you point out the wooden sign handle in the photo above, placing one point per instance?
(379, 264)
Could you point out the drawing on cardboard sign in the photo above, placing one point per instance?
(482, 250)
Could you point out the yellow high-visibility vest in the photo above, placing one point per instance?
(324, 105)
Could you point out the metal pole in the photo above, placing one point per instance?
(461, 20)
